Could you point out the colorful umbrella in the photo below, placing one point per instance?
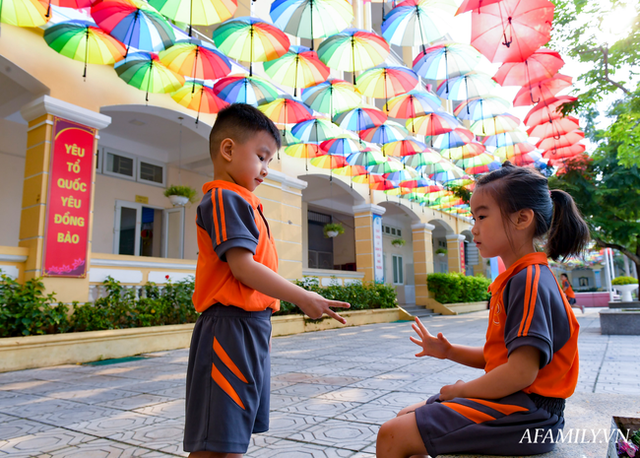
(564, 153)
(391, 164)
(352, 50)
(457, 137)
(196, 12)
(75, 4)
(412, 104)
(418, 22)
(304, 151)
(460, 152)
(433, 124)
(196, 96)
(405, 147)
(542, 90)
(446, 60)
(79, 40)
(476, 161)
(385, 81)
(442, 165)
(366, 158)
(23, 13)
(329, 161)
(470, 5)
(565, 140)
(382, 185)
(517, 149)
(135, 23)
(315, 130)
(447, 176)
(511, 30)
(250, 40)
(311, 18)
(482, 107)
(504, 139)
(466, 86)
(144, 71)
(299, 67)
(341, 146)
(332, 96)
(196, 59)
(547, 110)
(554, 128)
(359, 119)
(285, 110)
(495, 125)
(428, 157)
(351, 171)
(424, 184)
(245, 89)
(405, 174)
(287, 139)
(523, 160)
(388, 132)
(541, 65)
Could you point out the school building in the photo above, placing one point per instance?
(84, 163)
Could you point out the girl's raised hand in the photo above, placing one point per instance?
(438, 347)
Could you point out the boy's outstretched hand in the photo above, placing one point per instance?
(438, 347)
(314, 305)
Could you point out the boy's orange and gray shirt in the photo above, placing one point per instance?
(528, 308)
(230, 216)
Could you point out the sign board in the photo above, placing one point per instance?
(68, 200)
(462, 266)
(142, 199)
(378, 265)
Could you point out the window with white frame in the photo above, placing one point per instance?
(398, 276)
(130, 167)
(391, 231)
(150, 172)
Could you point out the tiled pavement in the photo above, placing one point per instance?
(331, 391)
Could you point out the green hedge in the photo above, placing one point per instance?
(454, 287)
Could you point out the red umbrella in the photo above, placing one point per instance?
(470, 5)
(522, 160)
(539, 66)
(564, 153)
(555, 128)
(565, 140)
(547, 110)
(511, 30)
(542, 90)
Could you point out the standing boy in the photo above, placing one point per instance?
(228, 375)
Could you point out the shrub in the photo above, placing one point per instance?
(185, 191)
(332, 227)
(456, 287)
(624, 281)
(361, 296)
(25, 310)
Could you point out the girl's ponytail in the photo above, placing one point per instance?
(568, 234)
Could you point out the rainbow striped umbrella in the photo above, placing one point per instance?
(432, 124)
(428, 157)
(196, 12)
(418, 22)
(460, 152)
(457, 137)
(447, 176)
(329, 161)
(495, 125)
(510, 151)
(23, 13)
(135, 23)
(467, 86)
(446, 60)
(382, 185)
(311, 18)
(504, 139)
(351, 171)
(144, 71)
(388, 132)
(405, 147)
(341, 146)
(391, 164)
(80, 40)
(299, 67)
(196, 59)
(482, 107)
(245, 89)
(412, 104)
(250, 40)
(437, 167)
(359, 119)
(476, 161)
(402, 175)
(285, 110)
(352, 50)
(304, 150)
(315, 130)
(197, 96)
(386, 81)
(366, 158)
(332, 96)
(421, 184)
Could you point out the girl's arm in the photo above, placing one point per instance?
(439, 347)
(517, 373)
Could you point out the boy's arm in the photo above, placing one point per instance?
(517, 373)
(259, 277)
(439, 347)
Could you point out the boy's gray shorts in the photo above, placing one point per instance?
(228, 380)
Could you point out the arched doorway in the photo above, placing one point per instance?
(439, 237)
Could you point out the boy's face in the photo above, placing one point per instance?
(247, 164)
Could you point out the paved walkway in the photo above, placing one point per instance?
(331, 391)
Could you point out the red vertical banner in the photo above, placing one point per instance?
(462, 266)
(69, 200)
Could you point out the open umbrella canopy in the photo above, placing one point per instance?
(567, 139)
(359, 119)
(366, 158)
(315, 130)
(476, 161)
(454, 173)
(196, 12)
(526, 159)
(541, 65)
(352, 171)
(342, 146)
(443, 165)
(507, 152)
(418, 160)
(388, 132)
(482, 107)
(329, 161)
(299, 67)
(460, 152)
(542, 90)
(418, 22)
(412, 104)
(311, 18)
(245, 89)
(504, 139)
(286, 110)
(23, 13)
(144, 71)
(432, 124)
(391, 164)
(197, 96)
(446, 60)
(332, 96)
(196, 59)
(511, 30)
(564, 153)
(457, 137)
(495, 125)
(304, 150)
(405, 147)
(352, 50)
(547, 110)
(467, 86)
(554, 128)
(470, 5)
(135, 23)
(80, 40)
(385, 81)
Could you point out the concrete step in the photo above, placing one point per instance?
(416, 310)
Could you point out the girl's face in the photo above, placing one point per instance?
(489, 232)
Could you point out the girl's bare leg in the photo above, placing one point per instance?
(214, 455)
(400, 438)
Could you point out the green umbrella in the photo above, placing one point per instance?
(144, 71)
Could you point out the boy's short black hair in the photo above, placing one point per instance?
(239, 121)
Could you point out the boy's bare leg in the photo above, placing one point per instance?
(400, 438)
(214, 455)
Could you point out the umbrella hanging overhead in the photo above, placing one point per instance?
(144, 71)
(460, 152)
(452, 139)
(470, 5)
(542, 64)
(298, 68)
(304, 150)
(390, 164)
(311, 18)
(388, 132)
(564, 153)
(315, 130)
(418, 22)
(443, 165)
(250, 40)
(197, 96)
(352, 50)
(565, 140)
(75, 4)
(329, 161)
(432, 124)
(554, 128)
(196, 12)
(196, 59)
(404, 174)
(359, 119)
(23, 13)
(418, 160)
(405, 147)
(542, 90)
(135, 23)
(523, 160)
(412, 104)
(466, 86)
(80, 40)
(332, 96)
(507, 152)
(511, 30)
(342, 146)
(504, 139)
(454, 173)
(547, 110)
(285, 110)
(495, 125)
(386, 81)
(366, 158)
(245, 89)
(446, 60)
(482, 107)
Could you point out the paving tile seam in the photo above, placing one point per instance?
(604, 354)
(316, 443)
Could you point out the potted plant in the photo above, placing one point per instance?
(180, 195)
(441, 251)
(626, 285)
(332, 230)
(398, 242)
